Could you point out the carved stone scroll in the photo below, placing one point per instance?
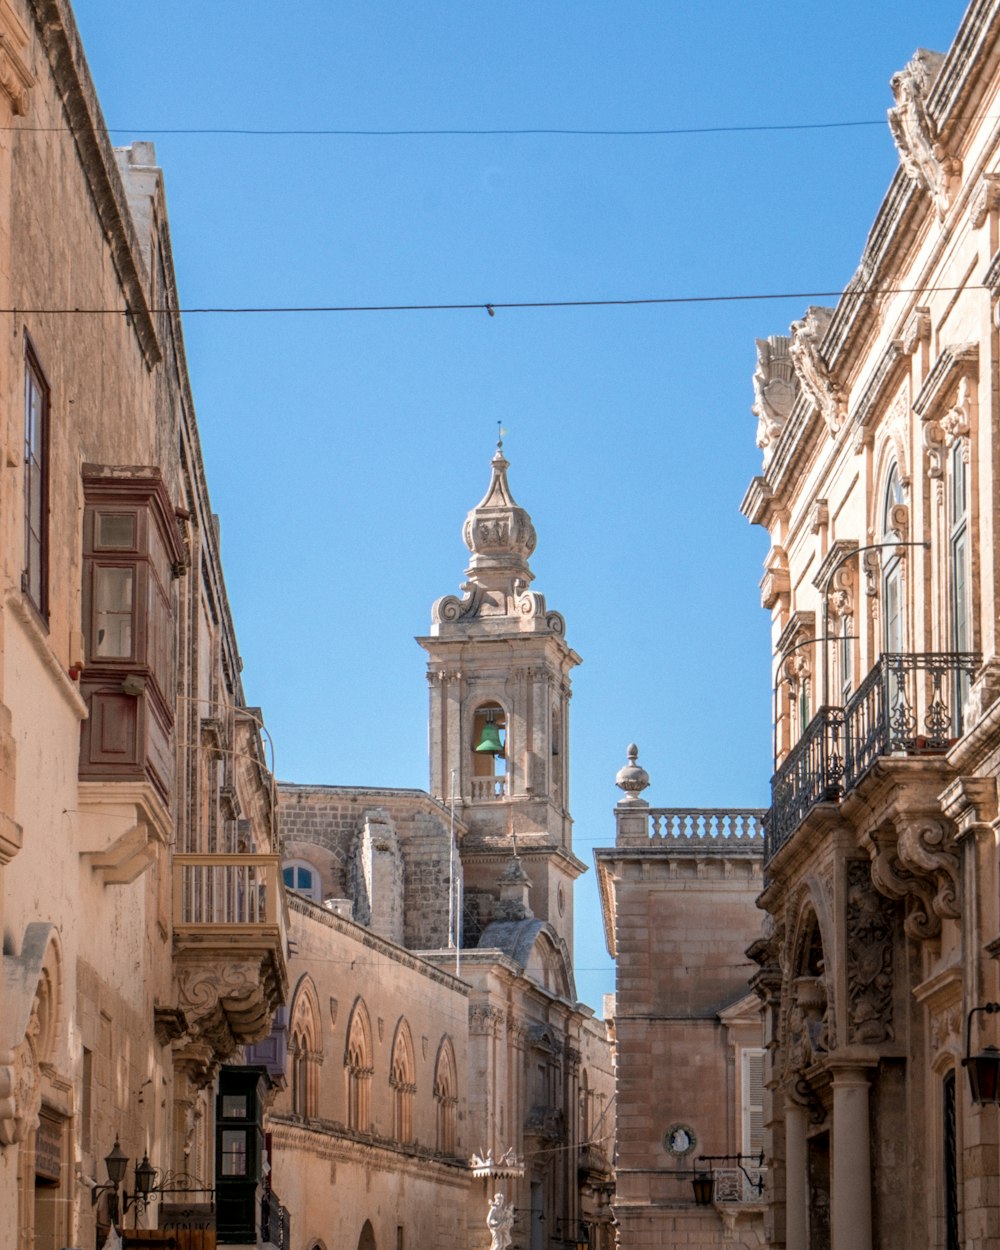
(814, 376)
(914, 133)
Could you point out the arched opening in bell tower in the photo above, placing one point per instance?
(489, 752)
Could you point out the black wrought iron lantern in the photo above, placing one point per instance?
(145, 1175)
(984, 1068)
(703, 1184)
(116, 1161)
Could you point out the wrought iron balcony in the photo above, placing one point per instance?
(275, 1222)
(909, 704)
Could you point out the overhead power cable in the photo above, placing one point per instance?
(493, 306)
(470, 132)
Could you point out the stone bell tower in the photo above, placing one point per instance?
(499, 673)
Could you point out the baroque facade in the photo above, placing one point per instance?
(436, 1051)
(140, 894)
(878, 425)
(678, 895)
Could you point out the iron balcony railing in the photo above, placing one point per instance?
(909, 704)
(275, 1222)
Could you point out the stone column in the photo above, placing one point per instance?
(851, 1192)
(796, 1177)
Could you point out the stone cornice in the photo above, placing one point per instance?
(949, 366)
(60, 40)
(977, 37)
(334, 1142)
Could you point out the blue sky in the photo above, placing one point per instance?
(344, 450)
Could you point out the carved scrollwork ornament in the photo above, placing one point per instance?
(934, 449)
(956, 422)
(925, 846)
(921, 155)
(815, 378)
(869, 959)
(774, 390)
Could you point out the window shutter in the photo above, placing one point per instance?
(752, 1096)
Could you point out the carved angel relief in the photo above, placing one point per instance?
(811, 369)
(914, 133)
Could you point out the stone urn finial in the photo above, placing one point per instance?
(632, 778)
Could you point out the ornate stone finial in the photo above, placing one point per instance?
(773, 389)
(632, 778)
(811, 369)
(499, 533)
(515, 886)
(913, 131)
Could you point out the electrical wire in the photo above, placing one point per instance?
(459, 132)
(493, 306)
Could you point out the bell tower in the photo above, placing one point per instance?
(499, 673)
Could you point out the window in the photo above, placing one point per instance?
(893, 631)
(751, 1100)
(358, 1065)
(34, 577)
(402, 1078)
(303, 879)
(132, 551)
(446, 1099)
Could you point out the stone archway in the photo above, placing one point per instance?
(367, 1239)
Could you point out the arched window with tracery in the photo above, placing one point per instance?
(403, 1079)
(446, 1097)
(305, 1049)
(358, 1068)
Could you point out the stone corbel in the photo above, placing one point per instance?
(985, 200)
(893, 879)
(138, 828)
(917, 330)
(956, 422)
(971, 802)
(776, 581)
(934, 448)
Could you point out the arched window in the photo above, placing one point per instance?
(893, 618)
(358, 1069)
(303, 878)
(305, 1049)
(446, 1097)
(403, 1079)
(489, 752)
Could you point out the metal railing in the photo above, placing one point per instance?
(212, 890)
(275, 1222)
(910, 703)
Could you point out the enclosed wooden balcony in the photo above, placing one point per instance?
(230, 937)
(910, 704)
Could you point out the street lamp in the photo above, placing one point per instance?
(116, 1163)
(984, 1068)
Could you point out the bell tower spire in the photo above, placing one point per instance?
(499, 673)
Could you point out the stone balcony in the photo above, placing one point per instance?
(230, 940)
(910, 704)
(694, 830)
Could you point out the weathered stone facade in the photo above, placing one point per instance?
(879, 492)
(678, 894)
(140, 894)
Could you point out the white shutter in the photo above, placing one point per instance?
(752, 1100)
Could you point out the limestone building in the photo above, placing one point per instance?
(434, 1017)
(678, 894)
(878, 423)
(140, 894)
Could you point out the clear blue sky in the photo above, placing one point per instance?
(344, 450)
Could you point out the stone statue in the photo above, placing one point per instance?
(500, 1221)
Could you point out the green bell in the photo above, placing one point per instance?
(489, 743)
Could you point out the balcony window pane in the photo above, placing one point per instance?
(116, 530)
(234, 1152)
(234, 1107)
(113, 612)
